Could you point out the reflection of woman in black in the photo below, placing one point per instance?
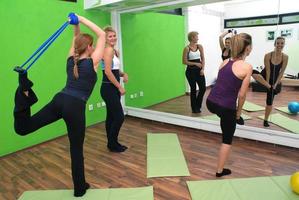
(193, 57)
(275, 64)
(225, 46)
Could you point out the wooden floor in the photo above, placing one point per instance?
(47, 166)
(181, 106)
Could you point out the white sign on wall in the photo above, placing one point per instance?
(287, 33)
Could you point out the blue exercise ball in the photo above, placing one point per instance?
(293, 107)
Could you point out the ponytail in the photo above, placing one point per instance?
(239, 42)
(75, 69)
(82, 41)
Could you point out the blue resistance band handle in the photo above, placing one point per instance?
(46, 46)
(73, 19)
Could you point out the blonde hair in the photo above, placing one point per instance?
(279, 38)
(239, 42)
(109, 29)
(191, 35)
(82, 41)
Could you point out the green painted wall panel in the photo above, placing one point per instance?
(152, 48)
(25, 25)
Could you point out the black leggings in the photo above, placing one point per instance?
(72, 111)
(194, 77)
(270, 92)
(227, 121)
(115, 114)
(270, 96)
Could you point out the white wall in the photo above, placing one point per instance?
(237, 9)
(208, 24)
(260, 44)
(208, 21)
(292, 48)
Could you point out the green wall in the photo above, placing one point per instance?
(152, 51)
(25, 25)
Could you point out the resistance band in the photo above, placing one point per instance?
(73, 19)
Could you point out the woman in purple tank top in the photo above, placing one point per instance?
(231, 84)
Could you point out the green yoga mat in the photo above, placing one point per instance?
(144, 193)
(251, 107)
(216, 118)
(285, 110)
(165, 156)
(260, 188)
(284, 122)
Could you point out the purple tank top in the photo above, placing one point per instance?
(225, 91)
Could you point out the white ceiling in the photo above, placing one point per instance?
(139, 5)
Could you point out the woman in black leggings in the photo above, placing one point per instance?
(228, 95)
(275, 65)
(193, 57)
(112, 90)
(68, 104)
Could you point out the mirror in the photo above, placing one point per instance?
(154, 43)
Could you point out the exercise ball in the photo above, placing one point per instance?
(295, 182)
(293, 107)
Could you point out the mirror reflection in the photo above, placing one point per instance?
(176, 60)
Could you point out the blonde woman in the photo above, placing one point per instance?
(112, 90)
(193, 57)
(275, 65)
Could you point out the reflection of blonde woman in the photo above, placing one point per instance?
(232, 83)
(193, 57)
(275, 64)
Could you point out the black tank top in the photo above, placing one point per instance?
(274, 71)
(82, 87)
(115, 73)
(228, 55)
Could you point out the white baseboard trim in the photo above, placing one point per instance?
(248, 132)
